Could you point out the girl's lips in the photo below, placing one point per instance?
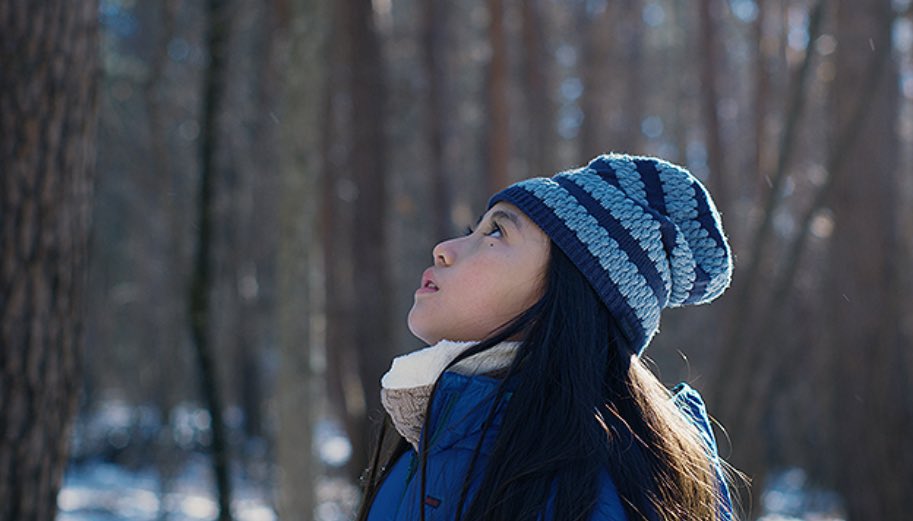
(428, 283)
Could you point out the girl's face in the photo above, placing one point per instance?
(481, 280)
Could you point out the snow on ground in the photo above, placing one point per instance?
(112, 476)
(789, 497)
(100, 491)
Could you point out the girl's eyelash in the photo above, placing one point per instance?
(495, 227)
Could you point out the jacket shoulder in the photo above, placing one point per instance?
(608, 503)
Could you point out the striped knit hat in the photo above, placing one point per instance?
(643, 231)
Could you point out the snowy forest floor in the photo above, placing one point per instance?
(105, 485)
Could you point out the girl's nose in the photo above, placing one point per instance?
(443, 253)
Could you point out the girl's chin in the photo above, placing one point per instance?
(428, 339)
(419, 332)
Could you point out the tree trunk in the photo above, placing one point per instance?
(596, 133)
(871, 411)
(335, 230)
(539, 107)
(48, 116)
(498, 128)
(297, 387)
(360, 315)
(758, 158)
(172, 326)
(201, 280)
(434, 20)
(710, 57)
(631, 136)
(370, 246)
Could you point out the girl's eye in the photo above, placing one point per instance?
(494, 232)
(495, 229)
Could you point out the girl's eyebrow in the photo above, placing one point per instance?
(510, 216)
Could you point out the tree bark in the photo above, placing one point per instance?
(48, 119)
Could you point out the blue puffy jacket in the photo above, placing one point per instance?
(460, 405)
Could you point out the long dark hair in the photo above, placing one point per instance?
(595, 407)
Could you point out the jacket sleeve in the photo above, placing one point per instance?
(690, 403)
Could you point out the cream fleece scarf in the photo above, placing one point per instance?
(406, 387)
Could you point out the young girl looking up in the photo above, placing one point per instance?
(532, 402)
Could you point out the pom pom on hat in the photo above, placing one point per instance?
(644, 232)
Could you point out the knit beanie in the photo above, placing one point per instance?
(643, 231)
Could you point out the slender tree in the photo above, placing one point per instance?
(48, 116)
(201, 280)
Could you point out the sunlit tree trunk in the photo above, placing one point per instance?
(48, 115)
(871, 418)
(710, 56)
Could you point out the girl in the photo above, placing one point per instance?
(532, 401)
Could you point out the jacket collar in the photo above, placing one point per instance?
(407, 386)
(459, 410)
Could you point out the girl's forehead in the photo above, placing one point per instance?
(507, 211)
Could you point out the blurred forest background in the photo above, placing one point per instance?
(270, 177)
